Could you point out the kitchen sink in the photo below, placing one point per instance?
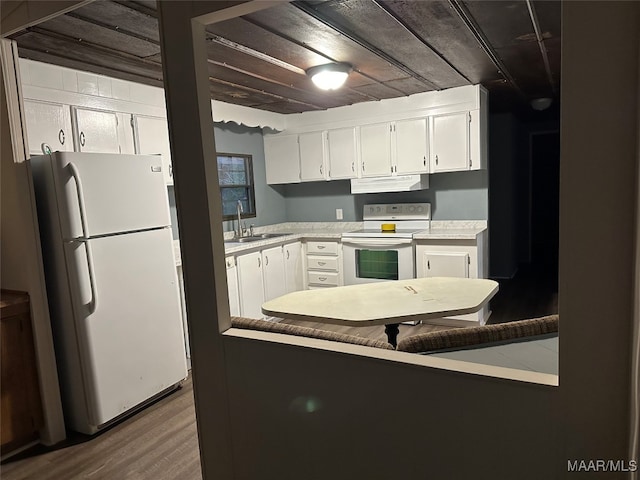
(255, 238)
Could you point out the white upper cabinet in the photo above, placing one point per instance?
(96, 131)
(394, 148)
(411, 148)
(458, 141)
(342, 153)
(313, 154)
(152, 138)
(375, 150)
(49, 124)
(282, 158)
(450, 142)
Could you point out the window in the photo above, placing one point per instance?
(235, 176)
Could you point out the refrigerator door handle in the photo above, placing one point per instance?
(83, 219)
(93, 305)
(80, 194)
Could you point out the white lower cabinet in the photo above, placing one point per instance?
(273, 274)
(446, 264)
(232, 286)
(453, 258)
(323, 264)
(250, 284)
(267, 274)
(293, 267)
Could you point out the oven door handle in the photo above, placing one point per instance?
(359, 242)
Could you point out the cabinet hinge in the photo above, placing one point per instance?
(131, 121)
(469, 260)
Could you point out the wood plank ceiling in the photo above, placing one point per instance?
(396, 47)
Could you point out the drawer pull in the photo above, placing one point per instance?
(322, 263)
(321, 247)
(322, 279)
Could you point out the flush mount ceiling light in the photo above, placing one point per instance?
(540, 104)
(330, 76)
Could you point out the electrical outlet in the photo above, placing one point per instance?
(338, 214)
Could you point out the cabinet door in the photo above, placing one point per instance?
(342, 153)
(312, 156)
(232, 286)
(443, 264)
(250, 285)
(48, 123)
(375, 150)
(273, 273)
(96, 131)
(282, 158)
(411, 146)
(293, 270)
(450, 142)
(152, 138)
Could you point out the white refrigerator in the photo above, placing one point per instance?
(111, 281)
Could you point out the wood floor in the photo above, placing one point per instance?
(160, 442)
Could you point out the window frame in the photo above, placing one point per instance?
(248, 159)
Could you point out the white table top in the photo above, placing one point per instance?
(384, 303)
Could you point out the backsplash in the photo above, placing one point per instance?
(453, 196)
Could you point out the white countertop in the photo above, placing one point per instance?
(440, 230)
(384, 303)
(452, 230)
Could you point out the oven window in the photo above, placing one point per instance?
(379, 264)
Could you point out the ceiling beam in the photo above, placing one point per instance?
(477, 32)
(309, 10)
(319, 53)
(262, 92)
(254, 53)
(543, 49)
(124, 31)
(385, 8)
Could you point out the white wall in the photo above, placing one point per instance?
(380, 419)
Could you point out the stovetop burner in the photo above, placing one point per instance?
(408, 218)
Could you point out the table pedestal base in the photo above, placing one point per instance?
(392, 331)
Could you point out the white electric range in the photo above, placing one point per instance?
(376, 255)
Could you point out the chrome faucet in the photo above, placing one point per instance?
(239, 211)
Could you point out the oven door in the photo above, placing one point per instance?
(368, 260)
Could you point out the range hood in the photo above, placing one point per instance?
(399, 183)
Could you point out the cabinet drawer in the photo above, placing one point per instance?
(323, 248)
(323, 278)
(322, 263)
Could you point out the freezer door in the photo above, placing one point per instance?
(127, 318)
(100, 194)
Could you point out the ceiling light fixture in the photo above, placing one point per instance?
(330, 76)
(540, 104)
